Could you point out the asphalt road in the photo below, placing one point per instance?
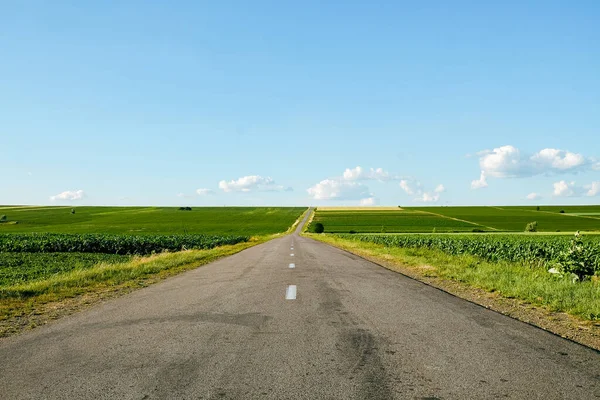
(353, 331)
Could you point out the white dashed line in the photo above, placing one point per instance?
(290, 293)
(292, 255)
(292, 265)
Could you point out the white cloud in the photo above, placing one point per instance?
(405, 185)
(415, 188)
(369, 201)
(565, 189)
(479, 183)
(593, 189)
(349, 187)
(338, 189)
(69, 195)
(250, 183)
(204, 192)
(570, 189)
(359, 173)
(428, 197)
(533, 196)
(509, 162)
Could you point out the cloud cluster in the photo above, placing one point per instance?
(204, 192)
(351, 186)
(412, 187)
(252, 183)
(69, 195)
(509, 162)
(338, 189)
(570, 189)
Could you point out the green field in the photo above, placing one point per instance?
(47, 250)
(247, 221)
(459, 219)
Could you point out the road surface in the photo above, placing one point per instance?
(332, 327)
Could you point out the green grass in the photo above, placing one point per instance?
(19, 268)
(248, 221)
(509, 279)
(460, 219)
(515, 218)
(388, 221)
(534, 250)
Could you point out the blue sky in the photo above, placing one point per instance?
(278, 103)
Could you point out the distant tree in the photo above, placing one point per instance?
(72, 211)
(562, 211)
(3, 218)
(188, 208)
(319, 228)
(531, 227)
(538, 208)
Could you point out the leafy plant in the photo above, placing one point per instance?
(578, 259)
(531, 227)
(3, 218)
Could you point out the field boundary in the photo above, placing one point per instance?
(458, 219)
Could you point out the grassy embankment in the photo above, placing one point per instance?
(508, 279)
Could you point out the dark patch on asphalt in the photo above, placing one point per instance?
(173, 378)
(360, 347)
(357, 345)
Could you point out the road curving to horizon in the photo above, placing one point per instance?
(319, 324)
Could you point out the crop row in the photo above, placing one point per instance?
(18, 268)
(111, 244)
(537, 250)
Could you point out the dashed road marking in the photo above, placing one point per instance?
(292, 255)
(292, 265)
(290, 293)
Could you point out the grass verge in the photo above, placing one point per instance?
(26, 305)
(571, 310)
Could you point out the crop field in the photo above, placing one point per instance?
(38, 243)
(458, 219)
(17, 268)
(531, 249)
(248, 221)
(387, 221)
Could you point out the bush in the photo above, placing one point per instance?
(352, 231)
(531, 227)
(578, 259)
(3, 218)
(477, 230)
(319, 228)
(185, 208)
(434, 230)
(72, 211)
(562, 211)
(538, 208)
